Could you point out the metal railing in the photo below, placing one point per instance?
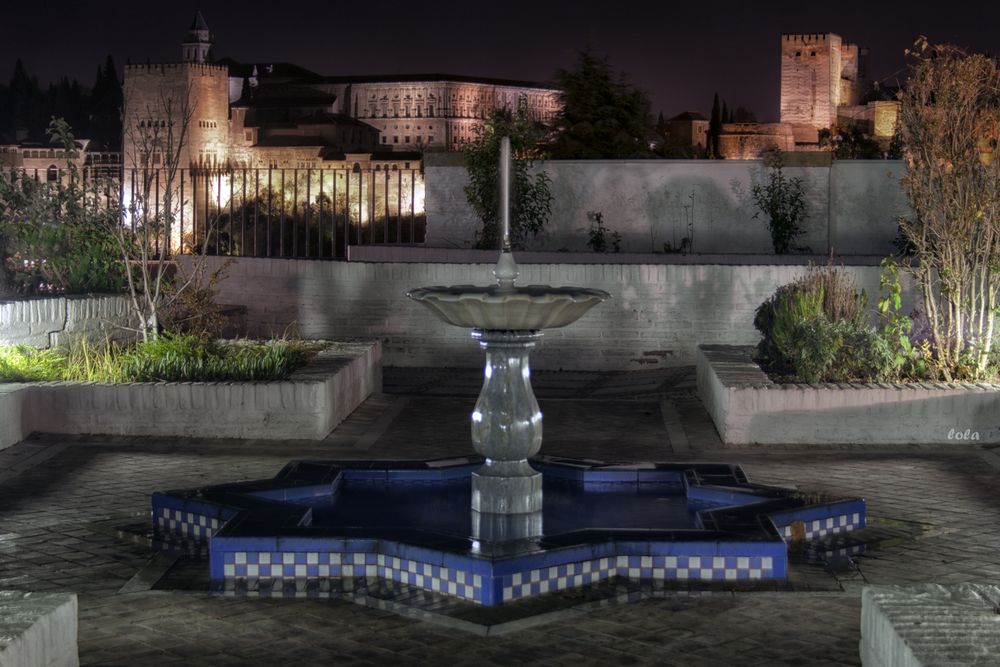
(293, 213)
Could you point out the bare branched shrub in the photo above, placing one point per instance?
(948, 126)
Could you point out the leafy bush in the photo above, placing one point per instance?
(59, 237)
(779, 317)
(602, 239)
(816, 328)
(531, 200)
(782, 199)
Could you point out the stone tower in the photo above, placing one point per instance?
(197, 47)
(819, 73)
(811, 69)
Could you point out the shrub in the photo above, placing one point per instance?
(782, 199)
(600, 238)
(59, 237)
(816, 328)
(777, 319)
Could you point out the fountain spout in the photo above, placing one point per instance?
(506, 269)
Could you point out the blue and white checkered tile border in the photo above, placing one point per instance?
(664, 568)
(302, 571)
(816, 528)
(187, 524)
(448, 581)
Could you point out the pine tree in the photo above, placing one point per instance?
(602, 115)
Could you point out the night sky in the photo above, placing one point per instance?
(680, 53)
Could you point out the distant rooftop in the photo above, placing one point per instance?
(688, 115)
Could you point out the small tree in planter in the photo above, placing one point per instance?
(531, 201)
(949, 124)
(782, 199)
(145, 240)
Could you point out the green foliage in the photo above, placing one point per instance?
(777, 319)
(602, 239)
(816, 329)
(178, 358)
(23, 363)
(58, 237)
(167, 358)
(531, 201)
(602, 115)
(851, 143)
(782, 200)
(908, 360)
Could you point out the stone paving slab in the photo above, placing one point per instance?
(57, 496)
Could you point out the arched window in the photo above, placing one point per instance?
(52, 175)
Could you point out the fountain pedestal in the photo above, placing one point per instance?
(506, 432)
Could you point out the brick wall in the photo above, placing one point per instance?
(48, 321)
(657, 316)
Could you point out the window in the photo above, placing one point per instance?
(812, 53)
(395, 140)
(52, 175)
(384, 139)
(407, 137)
(430, 138)
(249, 135)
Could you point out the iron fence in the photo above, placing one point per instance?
(276, 212)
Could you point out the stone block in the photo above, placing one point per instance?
(38, 629)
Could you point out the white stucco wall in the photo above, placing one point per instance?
(657, 316)
(852, 205)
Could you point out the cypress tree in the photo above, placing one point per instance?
(714, 129)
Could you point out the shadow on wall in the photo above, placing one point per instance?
(656, 202)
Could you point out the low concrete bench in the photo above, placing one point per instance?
(930, 624)
(38, 630)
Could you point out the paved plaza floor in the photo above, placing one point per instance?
(61, 497)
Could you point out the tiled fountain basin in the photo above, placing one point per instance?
(308, 405)
(263, 540)
(748, 408)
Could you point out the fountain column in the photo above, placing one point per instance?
(506, 431)
(507, 424)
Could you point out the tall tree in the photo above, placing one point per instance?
(726, 118)
(948, 124)
(106, 104)
(714, 129)
(602, 115)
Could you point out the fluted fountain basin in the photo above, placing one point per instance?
(527, 308)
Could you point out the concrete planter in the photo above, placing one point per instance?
(930, 624)
(307, 406)
(38, 629)
(748, 408)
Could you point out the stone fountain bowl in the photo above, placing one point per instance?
(527, 308)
